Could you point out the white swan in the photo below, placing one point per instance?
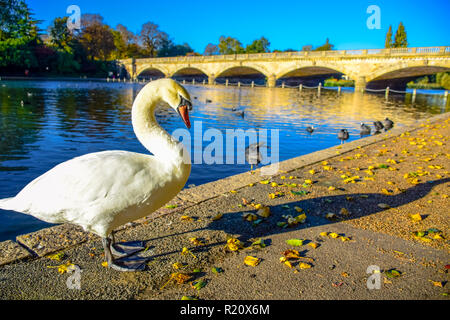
(104, 190)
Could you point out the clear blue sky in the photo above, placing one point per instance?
(287, 24)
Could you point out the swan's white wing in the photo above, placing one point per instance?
(80, 189)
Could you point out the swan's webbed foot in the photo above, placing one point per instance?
(120, 250)
(128, 264)
(123, 263)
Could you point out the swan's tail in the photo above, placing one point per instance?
(6, 204)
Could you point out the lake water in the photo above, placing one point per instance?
(59, 120)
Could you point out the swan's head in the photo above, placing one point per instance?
(177, 97)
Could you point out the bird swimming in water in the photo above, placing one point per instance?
(239, 113)
(310, 129)
(378, 126)
(343, 135)
(365, 129)
(388, 124)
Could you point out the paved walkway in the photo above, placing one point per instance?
(380, 201)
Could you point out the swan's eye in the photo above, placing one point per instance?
(185, 102)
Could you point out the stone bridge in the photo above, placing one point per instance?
(368, 67)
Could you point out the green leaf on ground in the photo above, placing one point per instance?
(295, 242)
(198, 284)
(216, 270)
(258, 243)
(299, 193)
(392, 273)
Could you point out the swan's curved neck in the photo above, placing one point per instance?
(152, 136)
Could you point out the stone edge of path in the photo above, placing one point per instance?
(59, 237)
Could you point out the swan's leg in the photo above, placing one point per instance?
(120, 250)
(125, 265)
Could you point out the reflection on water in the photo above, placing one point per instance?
(43, 123)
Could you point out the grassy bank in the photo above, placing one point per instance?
(332, 82)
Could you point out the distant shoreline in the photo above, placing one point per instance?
(56, 78)
(79, 78)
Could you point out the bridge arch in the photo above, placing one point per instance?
(157, 70)
(241, 68)
(189, 72)
(413, 68)
(310, 70)
(243, 73)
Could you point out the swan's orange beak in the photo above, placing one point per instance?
(183, 111)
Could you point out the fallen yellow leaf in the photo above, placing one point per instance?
(264, 212)
(251, 261)
(217, 216)
(313, 245)
(303, 265)
(415, 217)
(186, 250)
(291, 254)
(196, 242)
(234, 244)
(436, 283)
(249, 216)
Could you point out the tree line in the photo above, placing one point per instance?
(92, 49)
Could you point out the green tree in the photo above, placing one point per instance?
(18, 36)
(229, 45)
(443, 78)
(388, 41)
(400, 40)
(325, 47)
(17, 54)
(258, 46)
(60, 36)
(63, 60)
(169, 49)
(16, 20)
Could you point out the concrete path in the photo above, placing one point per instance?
(358, 206)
